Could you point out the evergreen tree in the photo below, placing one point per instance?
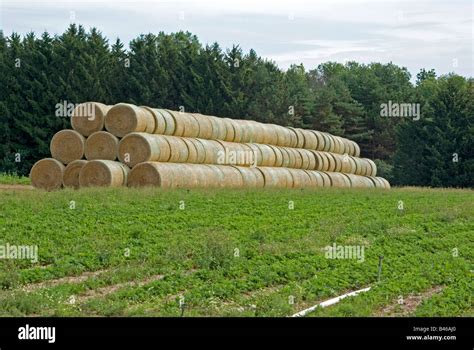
(438, 149)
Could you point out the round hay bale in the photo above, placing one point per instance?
(331, 162)
(346, 145)
(286, 157)
(356, 150)
(270, 177)
(368, 183)
(268, 156)
(191, 125)
(245, 155)
(216, 175)
(318, 161)
(238, 132)
(67, 145)
(373, 167)
(285, 177)
(298, 159)
(339, 180)
(312, 161)
(271, 134)
(89, 117)
(345, 163)
(195, 123)
(204, 175)
(205, 126)
(151, 174)
(356, 181)
(310, 140)
(385, 183)
(301, 179)
(247, 131)
(219, 130)
(208, 151)
(346, 179)
(320, 140)
(231, 154)
(257, 154)
(229, 127)
(350, 150)
(332, 143)
(47, 174)
(283, 136)
(124, 118)
(305, 159)
(71, 173)
(351, 164)
(313, 178)
(160, 122)
(327, 142)
(186, 176)
(260, 179)
(299, 137)
(200, 151)
(376, 181)
(179, 122)
(232, 177)
(249, 179)
(169, 126)
(292, 157)
(178, 149)
(141, 147)
(338, 146)
(192, 151)
(317, 178)
(103, 173)
(214, 152)
(256, 131)
(101, 145)
(357, 165)
(293, 137)
(251, 157)
(338, 161)
(278, 155)
(324, 161)
(259, 132)
(364, 166)
(327, 182)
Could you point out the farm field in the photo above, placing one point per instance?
(149, 252)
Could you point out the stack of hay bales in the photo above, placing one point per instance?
(143, 146)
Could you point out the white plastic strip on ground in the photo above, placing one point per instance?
(329, 302)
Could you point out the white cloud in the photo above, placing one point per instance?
(426, 33)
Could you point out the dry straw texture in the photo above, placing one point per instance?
(47, 174)
(101, 145)
(141, 147)
(124, 118)
(71, 173)
(103, 173)
(173, 149)
(89, 117)
(67, 145)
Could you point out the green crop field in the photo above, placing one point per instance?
(148, 252)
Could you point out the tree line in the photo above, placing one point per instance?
(372, 104)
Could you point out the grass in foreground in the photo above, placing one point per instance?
(236, 252)
(12, 179)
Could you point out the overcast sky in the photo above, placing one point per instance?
(415, 34)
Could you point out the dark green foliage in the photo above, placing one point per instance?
(176, 71)
(438, 149)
